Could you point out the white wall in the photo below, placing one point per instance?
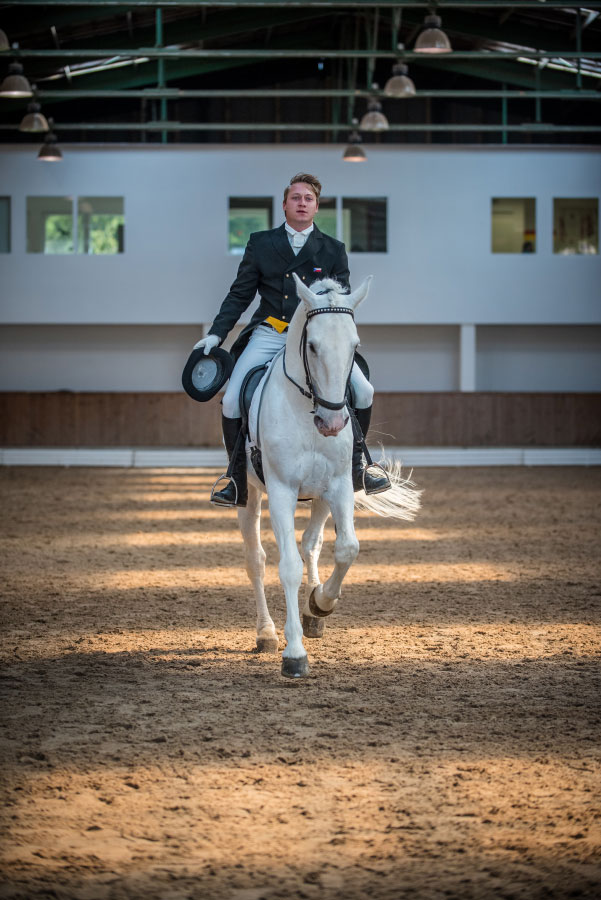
(128, 322)
(151, 357)
(94, 357)
(538, 358)
(411, 357)
(176, 269)
(401, 357)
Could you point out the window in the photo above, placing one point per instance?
(576, 226)
(100, 225)
(513, 224)
(4, 224)
(49, 225)
(326, 216)
(247, 214)
(364, 224)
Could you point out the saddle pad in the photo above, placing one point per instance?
(252, 379)
(253, 413)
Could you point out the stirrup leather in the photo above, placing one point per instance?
(230, 479)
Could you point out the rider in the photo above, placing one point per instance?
(269, 260)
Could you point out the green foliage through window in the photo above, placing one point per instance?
(58, 233)
(101, 233)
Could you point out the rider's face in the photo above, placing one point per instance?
(300, 206)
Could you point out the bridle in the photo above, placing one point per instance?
(311, 393)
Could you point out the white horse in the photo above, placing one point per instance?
(306, 442)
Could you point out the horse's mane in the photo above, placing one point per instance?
(334, 293)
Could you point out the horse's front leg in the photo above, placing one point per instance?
(311, 548)
(249, 520)
(282, 503)
(341, 500)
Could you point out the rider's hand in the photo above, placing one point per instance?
(207, 344)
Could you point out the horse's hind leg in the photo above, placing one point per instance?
(324, 598)
(249, 520)
(311, 548)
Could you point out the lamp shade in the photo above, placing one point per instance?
(354, 152)
(432, 39)
(4, 45)
(399, 84)
(50, 151)
(33, 121)
(374, 119)
(15, 84)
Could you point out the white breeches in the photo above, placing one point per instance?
(263, 345)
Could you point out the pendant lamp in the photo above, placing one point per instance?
(15, 84)
(432, 39)
(33, 121)
(50, 151)
(374, 119)
(354, 151)
(399, 84)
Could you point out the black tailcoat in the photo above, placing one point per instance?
(267, 267)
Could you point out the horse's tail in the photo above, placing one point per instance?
(402, 501)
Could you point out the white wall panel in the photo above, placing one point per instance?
(151, 358)
(94, 358)
(176, 269)
(538, 358)
(411, 357)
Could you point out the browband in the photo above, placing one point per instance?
(331, 309)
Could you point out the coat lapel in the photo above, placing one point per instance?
(282, 244)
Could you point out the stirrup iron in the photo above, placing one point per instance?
(374, 465)
(217, 502)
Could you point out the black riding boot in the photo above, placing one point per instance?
(235, 493)
(363, 479)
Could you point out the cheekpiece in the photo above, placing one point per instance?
(205, 374)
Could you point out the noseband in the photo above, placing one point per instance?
(311, 393)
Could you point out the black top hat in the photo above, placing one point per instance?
(204, 374)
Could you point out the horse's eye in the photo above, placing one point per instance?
(312, 347)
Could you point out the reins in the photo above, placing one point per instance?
(311, 393)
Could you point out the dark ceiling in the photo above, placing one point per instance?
(208, 96)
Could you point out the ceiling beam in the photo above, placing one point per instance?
(314, 53)
(271, 4)
(162, 125)
(177, 94)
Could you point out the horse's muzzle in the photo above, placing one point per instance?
(333, 426)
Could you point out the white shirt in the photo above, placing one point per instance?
(297, 238)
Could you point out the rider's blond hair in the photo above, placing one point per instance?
(303, 178)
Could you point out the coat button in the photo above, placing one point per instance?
(285, 296)
(287, 275)
(303, 277)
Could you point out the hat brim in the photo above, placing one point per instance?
(205, 374)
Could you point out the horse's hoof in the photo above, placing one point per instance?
(312, 627)
(316, 610)
(268, 645)
(295, 668)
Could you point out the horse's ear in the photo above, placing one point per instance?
(359, 295)
(305, 294)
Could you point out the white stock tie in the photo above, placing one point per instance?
(298, 240)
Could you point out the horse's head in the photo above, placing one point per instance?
(330, 343)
